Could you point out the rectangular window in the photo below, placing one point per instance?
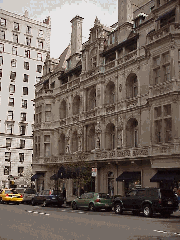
(8, 156)
(48, 113)
(167, 73)
(156, 61)
(0, 86)
(28, 41)
(40, 44)
(16, 26)
(167, 110)
(158, 131)
(2, 34)
(22, 143)
(2, 22)
(157, 76)
(39, 68)
(39, 56)
(9, 128)
(28, 30)
(13, 63)
(15, 37)
(11, 102)
(21, 157)
(1, 47)
(40, 33)
(168, 129)
(25, 90)
(157, 112)
(25, 78)
(14, 50)
(22, 130)
(6, 170)
(12, 88)
(8, 142)
(1, 60)
(24, 103)
(38, 79)
(47, 149)
(26, 65)
(27, 53)
(166, 57)
(13, 75)
(20, 171)
(0, 72)
(23, 116)
(46, 138)
(10, 115)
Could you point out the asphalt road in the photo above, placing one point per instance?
(27, 222)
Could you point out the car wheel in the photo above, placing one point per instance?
(74, 206)
(33, 202)
(44, 203)
(118, 208)
(147, 211)
(17, 203)
(91, 207)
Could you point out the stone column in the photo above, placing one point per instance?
(120, 133)
(80, 138)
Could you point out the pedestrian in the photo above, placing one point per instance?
(64, 194)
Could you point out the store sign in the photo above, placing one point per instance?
(94, 172)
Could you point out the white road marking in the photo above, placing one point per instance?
(47, 214)
(41, 213)
(35, 212)
(63, 210)
(80, 212)
(29, 211)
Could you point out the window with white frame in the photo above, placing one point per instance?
(23, 116)
(39, 56)
(25, 90)
(2, 34)
(6, 170)
(14, 50)
(40, 33)
(1, 47)
(11, 102)
(12, 88)
(20, 171)
(13, 63)
(22, 143)
(28, 41)
(10, 116)
(9, 128)
(13, 75)
(1, 60)
(8, 142)
(28, 30)
(0, 86)
(7, 156)
(38, 79)
(22, 129)
(15, 37)
(16, 26)
(47, 146)
(27, 53)
(26, 77)
(24, 103)
(39, 68)
(26, 65)
(21, 157)
(3, 22)
(48, 113)
(40, 44)
(37, 146)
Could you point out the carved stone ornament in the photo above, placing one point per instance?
(120, 87)
(120, 123)
(80, 131)
(175, 98)
(98, 128)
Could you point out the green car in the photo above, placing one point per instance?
(93, 201)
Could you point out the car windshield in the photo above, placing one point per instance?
(11, 191)
(30, 191)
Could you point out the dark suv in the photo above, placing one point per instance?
(48, 197)
(148, 201)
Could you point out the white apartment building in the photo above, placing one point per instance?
(24, 45)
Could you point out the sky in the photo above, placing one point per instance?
(61, 13)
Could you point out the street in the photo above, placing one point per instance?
(28, 222)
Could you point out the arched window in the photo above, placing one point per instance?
(131, 86)
(74, 142)
(62, 144)
(92, 99)
(110, 93)
(91, 138)
(63, 109)
(76, 105)
(111, 183)
(132, 133)
(110, 136)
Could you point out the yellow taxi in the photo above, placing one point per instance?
(10, 196)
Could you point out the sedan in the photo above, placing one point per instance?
(10, 196)
(29, 194)
(48, 197)
(93, 201)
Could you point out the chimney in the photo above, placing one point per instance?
(125, 12)
(76, 35)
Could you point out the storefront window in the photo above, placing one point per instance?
(111, 183)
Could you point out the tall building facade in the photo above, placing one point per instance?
(116, 105)
(24, 44)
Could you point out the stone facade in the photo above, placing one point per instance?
(24, 44)
(117, 108)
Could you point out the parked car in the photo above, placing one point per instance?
(93, 201)
(20, 190)
(10, 196)
(148, 201)
(48, 197)
(29, 193)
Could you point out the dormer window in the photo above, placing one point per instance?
(167, 18)
(139, 19)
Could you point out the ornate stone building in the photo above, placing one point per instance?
(116, 104)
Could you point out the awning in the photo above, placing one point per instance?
(165, 15)
(165, 176)
(129, 176)
(54, 177)
(36, 176)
